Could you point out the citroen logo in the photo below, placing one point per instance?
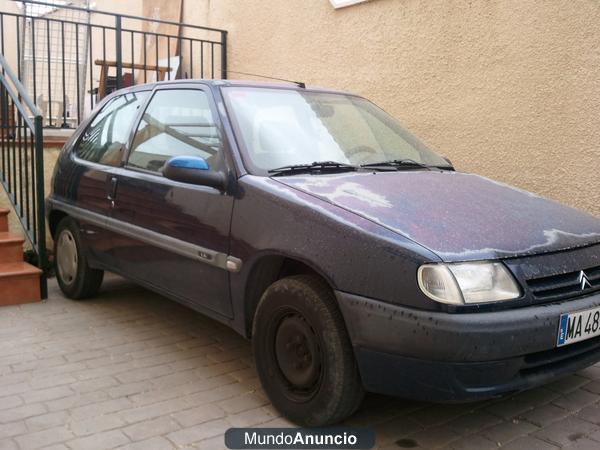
(583, 280)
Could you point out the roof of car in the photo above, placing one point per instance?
(244, 83)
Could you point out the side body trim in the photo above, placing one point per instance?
(192, 251)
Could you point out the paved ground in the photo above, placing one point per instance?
(130, 369)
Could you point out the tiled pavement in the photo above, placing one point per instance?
(130, 369)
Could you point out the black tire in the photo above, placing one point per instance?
(83, 282)
(303, 354)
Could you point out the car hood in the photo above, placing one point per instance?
(458, 216)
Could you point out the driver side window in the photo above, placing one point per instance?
(177, 122)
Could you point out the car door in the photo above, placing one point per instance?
(175, 232)
(97, 155)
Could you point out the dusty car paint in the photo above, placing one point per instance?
(458, 216)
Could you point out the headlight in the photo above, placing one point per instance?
(466, 283)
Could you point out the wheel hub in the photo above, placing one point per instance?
(297, 352)
(66, 257)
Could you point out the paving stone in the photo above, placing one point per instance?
(8, 444)
(126, 390)
(199, 432)
(508, 431)
(592, 386)
(99, 441)
(77, 400)
(151, 428)
(220, 393)
(576, 400)
(85, 355)
(38, 381)
(11, 401)
(475, 442)
(435, 415)
(528, 443)
(515, 405)
(16, 388)
(390, 430)
(252, 417)
(42, 395)
(566, 431)
(594, 435)
(242, 403)
(93, 425)
(12, 429)
(99, 408)
(56, 447)
(198, 415)
(21, 412)
(435, 437)
(473, 422)
(583, 444)
(43, 438)
(590, 413)
(593, 372)
(568, 383)
(159, 392)
(144, 373)
(44, 421)
(39, 364)
(94, 384)
(155, 410)
(155, 443)
(544, 415)
(221, 368)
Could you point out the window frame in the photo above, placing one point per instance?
(88, 123)
(180, 87)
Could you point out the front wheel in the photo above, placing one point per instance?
(75, 277)
(303, 354)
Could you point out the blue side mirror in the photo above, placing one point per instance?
(188, 162)
(193, 170)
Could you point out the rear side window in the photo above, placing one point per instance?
(176, 123)
(105, 138)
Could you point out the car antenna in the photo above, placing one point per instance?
(300, 84)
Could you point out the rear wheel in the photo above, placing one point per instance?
(75, 277)
(303, 354)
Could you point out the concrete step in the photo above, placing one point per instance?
(11, 248)
(4, 219)
(19, 283)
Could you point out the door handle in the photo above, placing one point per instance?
(112, 189)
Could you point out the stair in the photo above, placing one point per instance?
(19, 281)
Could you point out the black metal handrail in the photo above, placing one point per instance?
(68, 64)
(22, 162)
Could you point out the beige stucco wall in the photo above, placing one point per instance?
(506, 88)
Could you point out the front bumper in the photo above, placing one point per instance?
(461, 357)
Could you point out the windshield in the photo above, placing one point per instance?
(282, 127)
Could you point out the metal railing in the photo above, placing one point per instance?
(22, 162)
(69, 63)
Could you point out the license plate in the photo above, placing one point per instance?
(578, 326)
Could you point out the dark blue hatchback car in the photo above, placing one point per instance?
(310, 221)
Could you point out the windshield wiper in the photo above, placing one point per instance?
(401, 163)
(317, 166)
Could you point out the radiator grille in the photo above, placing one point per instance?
(571, 284)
